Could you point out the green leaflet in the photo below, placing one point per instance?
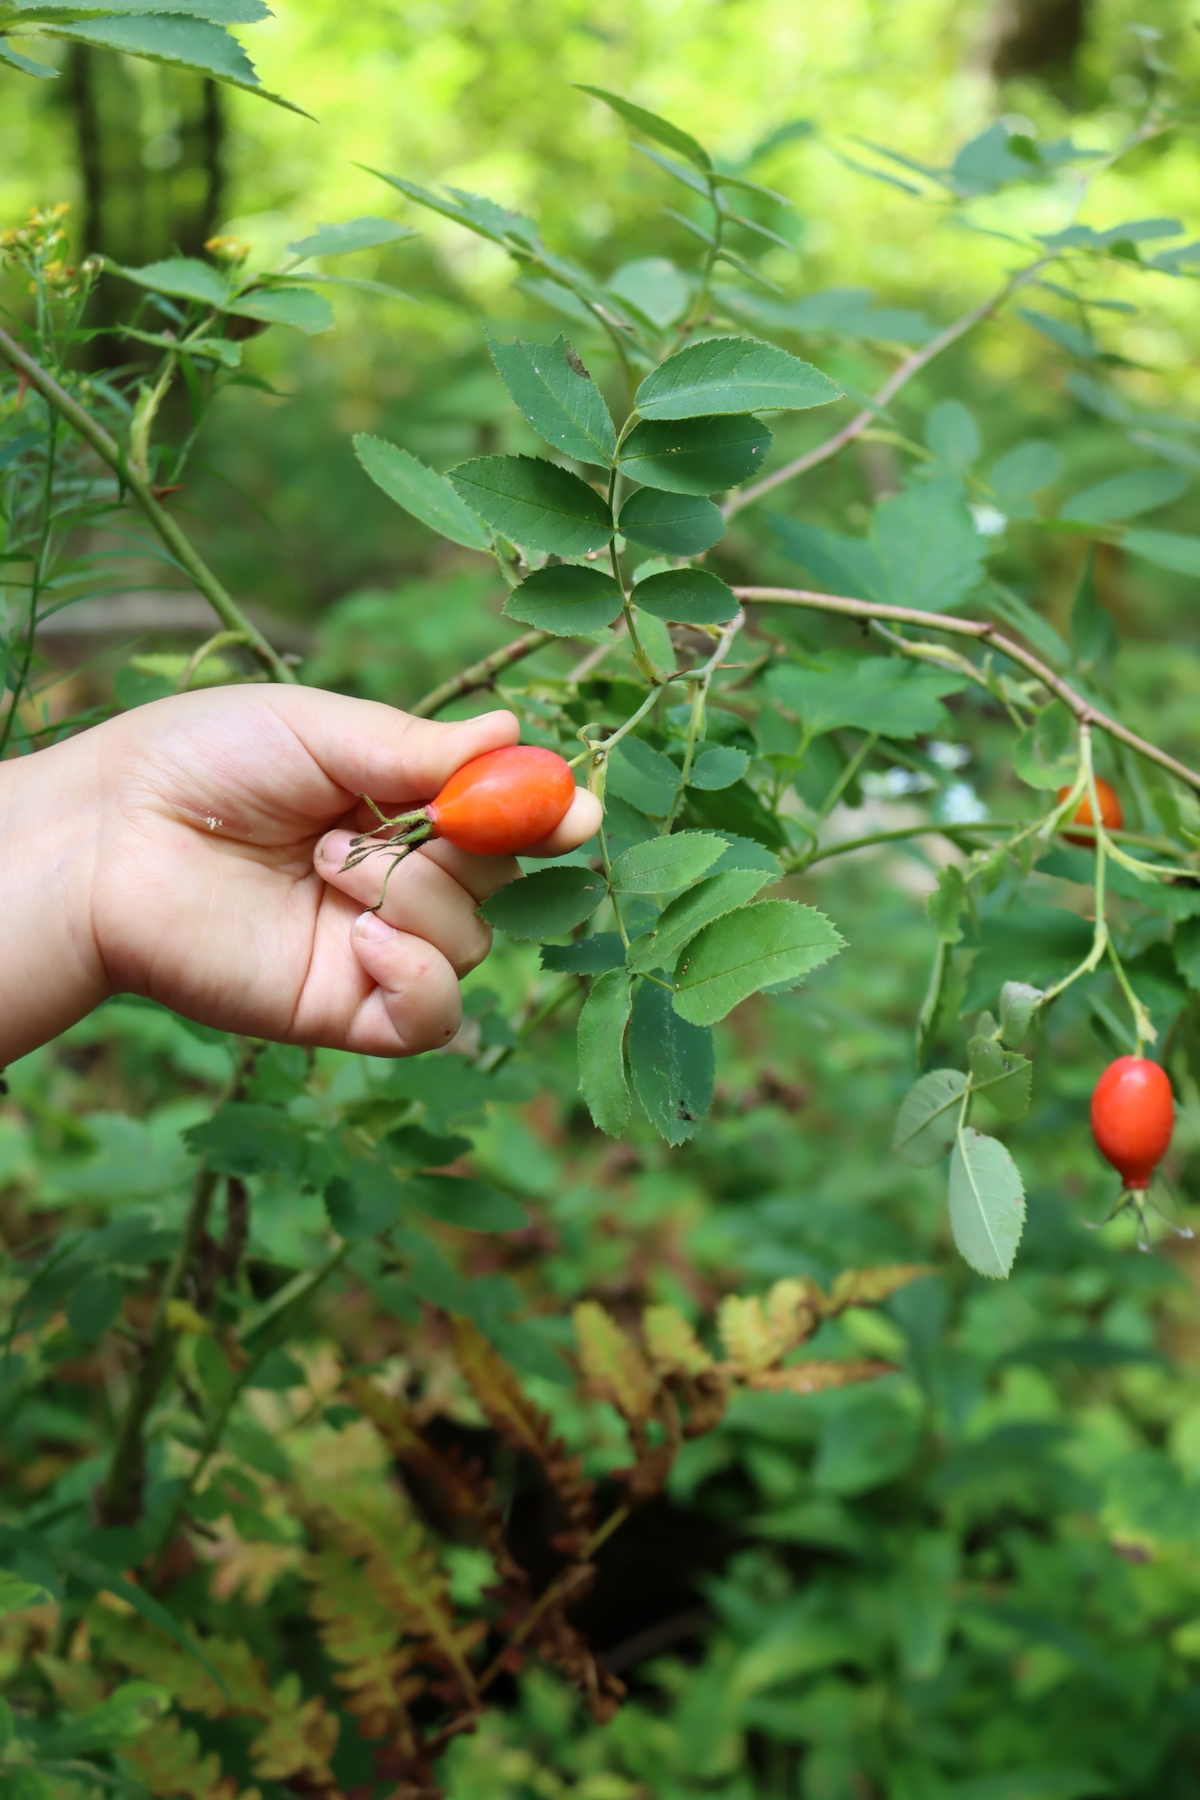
(1124, 496)
(884, 694)
(547, 904)
(421, 491)
(688, 596)
(297, 306)
(663, 864)
(923, 550)
(1168, 549)
(557, 395)
(184, 278)
(718, 767)
(1000, 1076)
(672, 1064)
(695, 456)
(766, 944)
(535, 503)
(602, 1051)
(471, 1205)
(987, 1203)
(661, 130)
(731, 375)
(353, 234)
(565, 599)
(928, 1119)
(679, 922)
(672, 524)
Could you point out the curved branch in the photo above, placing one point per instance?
(480, 674)
(175, 539)
(983, 631)
(900, 375)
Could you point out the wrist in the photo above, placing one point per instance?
(51, 970)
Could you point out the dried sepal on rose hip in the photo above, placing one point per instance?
(1133, 1117)
(498, 804)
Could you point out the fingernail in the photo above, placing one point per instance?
(370, 925)
(320, 852)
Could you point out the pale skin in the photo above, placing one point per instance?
(191, 851)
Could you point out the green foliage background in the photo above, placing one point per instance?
(980, 1578)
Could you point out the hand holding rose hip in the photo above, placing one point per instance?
(195, 850)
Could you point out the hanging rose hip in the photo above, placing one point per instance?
(498, 804)
(1133, 1116)
(1112, 813)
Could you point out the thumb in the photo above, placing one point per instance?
(368, 748)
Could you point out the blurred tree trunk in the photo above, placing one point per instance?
(1041, 38)
(150, 146)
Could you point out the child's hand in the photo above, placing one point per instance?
(192, 851)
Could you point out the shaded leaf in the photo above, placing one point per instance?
(460, 1200)
(987, 1203)
(1167, 549)
(183, 278)
(1000, 1076)
(602, 1051)
(672, 524)
(351, 234)
(928, 1119)
(1124, 496)
(884, 694)
(688, 596)
(546, 904)
(568, 600)
(695, 456)
(535, 503)
(718, 767)
(297, 306)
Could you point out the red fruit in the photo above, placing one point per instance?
(503, 802)
(1133, 1116)
(1112, 814)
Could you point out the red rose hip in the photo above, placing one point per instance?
(503, 802)
(1133, 1116)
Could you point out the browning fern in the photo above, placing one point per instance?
(169, 1761)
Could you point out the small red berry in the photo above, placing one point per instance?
(1112, 813)
(1133, 1116)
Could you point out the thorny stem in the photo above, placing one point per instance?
(956, 834)
(983, 631)
(899, 377)
(481, 674)
(37, 582)
(176, 540)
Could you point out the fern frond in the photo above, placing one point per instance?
(867, 1287)
(673, 1346)
(747, 1334)
(813, 1377)
(360, 1634)
(518, 1422)
(169, 1761)
(613, 1366)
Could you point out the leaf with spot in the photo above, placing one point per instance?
(695, 456)
(672, 1064)
(558, 396)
